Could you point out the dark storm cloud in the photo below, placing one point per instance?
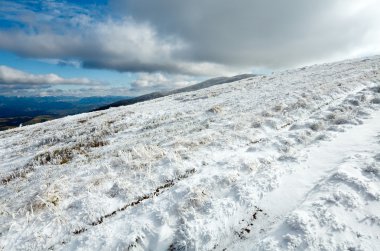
(268, 33)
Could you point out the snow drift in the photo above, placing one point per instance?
(288, 161)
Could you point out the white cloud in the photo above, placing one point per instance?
(149, 82)
(16, 82)
(11, 76)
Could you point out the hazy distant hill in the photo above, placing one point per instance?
(154, 95)
(31, 110)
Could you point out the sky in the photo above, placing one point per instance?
(132, 47)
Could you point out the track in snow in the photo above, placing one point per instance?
(341, 176)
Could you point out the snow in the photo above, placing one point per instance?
(288, 161)
(329, 200)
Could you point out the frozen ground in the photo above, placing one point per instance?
(289, 161)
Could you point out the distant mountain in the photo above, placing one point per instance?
(30, 110)
(154, 95)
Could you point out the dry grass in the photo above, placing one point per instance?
(215, 109)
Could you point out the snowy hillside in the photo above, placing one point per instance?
(289, 161)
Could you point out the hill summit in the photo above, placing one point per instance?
(289, 161)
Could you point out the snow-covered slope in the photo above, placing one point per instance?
(288, 161)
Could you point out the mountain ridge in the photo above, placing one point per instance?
(154, 95)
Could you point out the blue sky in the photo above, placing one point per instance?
(131, 47)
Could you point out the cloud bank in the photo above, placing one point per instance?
(159, 82)
(273, 34)
(16, 82)
(11, 76)
(198, 38)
